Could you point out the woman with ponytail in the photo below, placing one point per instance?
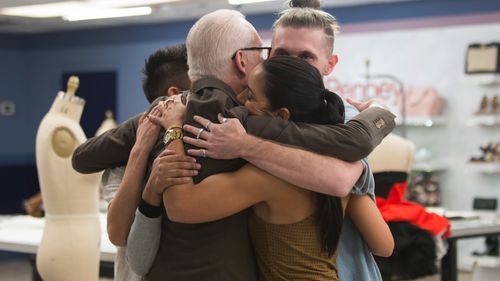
(295, 232)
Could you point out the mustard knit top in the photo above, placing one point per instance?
(291, 251)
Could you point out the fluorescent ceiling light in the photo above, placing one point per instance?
(128, 3)
(108, 13)
(44, 10)
(240, 2)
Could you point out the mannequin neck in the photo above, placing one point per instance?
(68, 106)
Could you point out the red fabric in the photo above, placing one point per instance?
(396, 208)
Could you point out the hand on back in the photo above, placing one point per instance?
(172, 112)
(171, 169)
(220, 141)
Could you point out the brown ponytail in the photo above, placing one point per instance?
(313, 4)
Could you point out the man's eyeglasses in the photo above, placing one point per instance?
(264, 51)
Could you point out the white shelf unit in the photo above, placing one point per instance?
(486, 79)
(485, 168)
(422, 121)
(484, 120)
(430, 166)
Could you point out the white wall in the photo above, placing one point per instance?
(433, 57)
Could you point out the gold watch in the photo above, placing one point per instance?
(172, 134)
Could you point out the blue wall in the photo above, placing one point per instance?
(31, 66)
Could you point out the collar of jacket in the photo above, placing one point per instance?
(213, 83)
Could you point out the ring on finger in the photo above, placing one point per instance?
(204, 153)
(199, 133)
(208, 124)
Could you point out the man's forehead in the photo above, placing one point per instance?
(296, 47)
(298, 38)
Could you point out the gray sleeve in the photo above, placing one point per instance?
(143, 242)
(110, 182)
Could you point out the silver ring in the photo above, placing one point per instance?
(224, 120)
(199, 133)
(203, 153)
(208, 124)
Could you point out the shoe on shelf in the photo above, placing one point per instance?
(495, 105)
(484, 106)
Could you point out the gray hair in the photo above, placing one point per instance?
(310, 18)
(213, 39)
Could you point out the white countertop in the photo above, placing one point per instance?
(20, 233)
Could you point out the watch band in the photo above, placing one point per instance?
(173, 133)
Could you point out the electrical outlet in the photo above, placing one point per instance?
(7, 108)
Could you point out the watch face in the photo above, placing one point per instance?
(171, 135)
(166, 138)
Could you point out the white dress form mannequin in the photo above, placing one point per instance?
(108, 123)
(70, 244)
(393, 154)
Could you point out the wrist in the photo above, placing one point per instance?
(177, 124)
(139, 152)
(173, 123)
(248, 145)
(151, 197)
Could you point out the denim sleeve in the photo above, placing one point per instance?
(366, 182)
(350, 112)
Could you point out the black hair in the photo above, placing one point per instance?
(167, 67)
(293, 83)
(313, 4)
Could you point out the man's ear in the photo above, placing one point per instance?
(240, 63)
(283, 113)
(332, 61)
(172, 91)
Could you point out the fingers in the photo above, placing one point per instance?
(199, 153)
(155, 119)
(143, 116)
(200, 133)
(353, 101)
(221, 118)
(172, 156)
(180, 173)
(200, 120)
(167, 152)
(176, 181)
(195, 142)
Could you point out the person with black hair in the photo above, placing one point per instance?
(165, 74)
(294, 232)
